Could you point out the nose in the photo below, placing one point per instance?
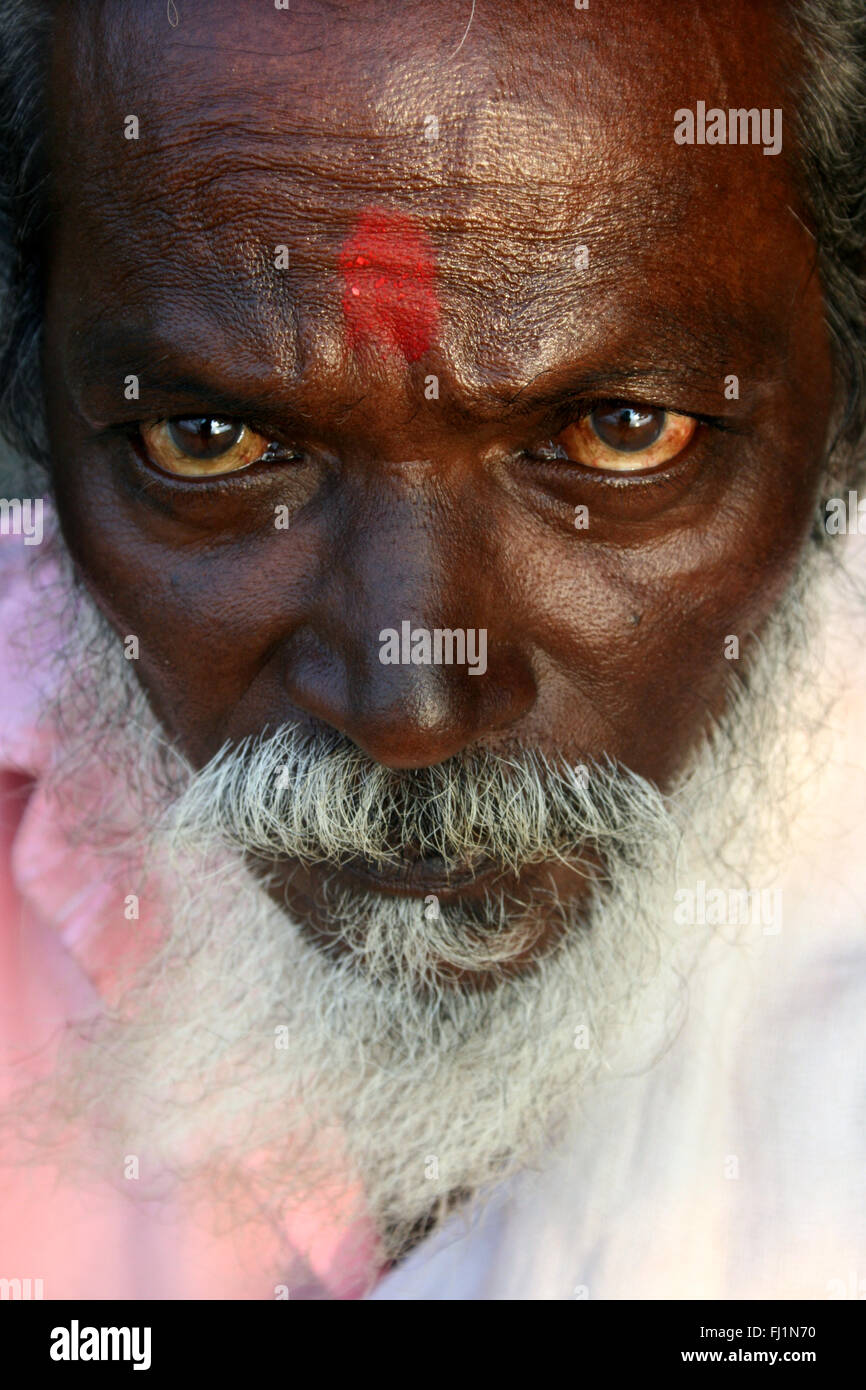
(407, 648)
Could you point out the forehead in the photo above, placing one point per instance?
(512, 143)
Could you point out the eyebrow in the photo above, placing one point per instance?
(105, 355)
(555, 387)
(174, 379)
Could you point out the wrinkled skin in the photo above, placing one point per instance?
(555, 130)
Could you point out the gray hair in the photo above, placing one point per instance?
(24, 33)
(830, 95)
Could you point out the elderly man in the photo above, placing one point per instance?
(432, 691)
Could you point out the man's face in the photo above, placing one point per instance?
(461, 457)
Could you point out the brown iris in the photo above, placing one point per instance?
(622, 437)
(199, 445)
(204, 436)
(628, 427)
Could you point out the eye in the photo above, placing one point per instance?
(621, 437)
(202, 445)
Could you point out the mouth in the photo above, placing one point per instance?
(535, 894)
(420, 875)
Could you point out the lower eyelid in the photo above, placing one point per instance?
(211, 478)
(645, 475)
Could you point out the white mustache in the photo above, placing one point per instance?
(314, 796)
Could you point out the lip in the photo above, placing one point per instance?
(418, 877)
(301, 889)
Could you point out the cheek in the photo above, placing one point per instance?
(642, 642)
(193, 628)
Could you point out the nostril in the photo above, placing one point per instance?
(402, 713)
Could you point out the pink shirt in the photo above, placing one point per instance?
(63, 938)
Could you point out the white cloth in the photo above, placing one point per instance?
(736, 1166)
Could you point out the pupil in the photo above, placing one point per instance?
(204, 436)
(628, 428)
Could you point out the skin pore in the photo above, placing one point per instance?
(457, 509)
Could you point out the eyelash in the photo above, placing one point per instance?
(577, 410)
(580, 409)
(274, 453)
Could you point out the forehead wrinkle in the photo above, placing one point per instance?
(515, 334)
(471, 154)
(228, 317)
(515, 255)
(226, 224)
(326, 182)
(203, 153)
(151, 67)
(527, 235)
(213, 246)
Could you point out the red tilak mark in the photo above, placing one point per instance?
(388, 271)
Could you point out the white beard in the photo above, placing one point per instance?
(267, 1074)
